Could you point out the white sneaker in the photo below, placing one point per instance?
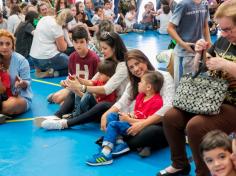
(51, 124)
(38, 120)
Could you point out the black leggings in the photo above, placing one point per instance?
(151, 136)
(68, 105)
(94, 114)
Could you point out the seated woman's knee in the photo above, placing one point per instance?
(196, 124)
(170, 116)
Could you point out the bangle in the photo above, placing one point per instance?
(83, 88)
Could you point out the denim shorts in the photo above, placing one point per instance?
(58, 62)
(28, 103)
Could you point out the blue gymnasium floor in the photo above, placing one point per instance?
(28, 151)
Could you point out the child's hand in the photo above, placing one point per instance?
(233, 156)
(124, 117)
(71, 77)
(135, 128)
(73, 85)
(234, 145)
(63, 84)
(189, 47)
(19, 83)
(201, 45)
(79, 79)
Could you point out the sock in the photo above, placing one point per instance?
(106, 151)
(119, 141)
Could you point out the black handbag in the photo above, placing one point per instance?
(200, 94)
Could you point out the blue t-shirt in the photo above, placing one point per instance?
(19, 66)
(189, 19)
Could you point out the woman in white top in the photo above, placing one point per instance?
(149, 132)
(112, 48)
(49, 44)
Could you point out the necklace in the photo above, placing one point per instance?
(218, 55)
(220, 73)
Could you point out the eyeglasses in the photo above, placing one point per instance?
(225, 30)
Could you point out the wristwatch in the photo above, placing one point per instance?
(83, 88)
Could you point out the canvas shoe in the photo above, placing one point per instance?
(52, 124)
(99, 159)
(2, 118)
(120, 149)
(38, 120)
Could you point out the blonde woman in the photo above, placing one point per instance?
(49, 59)
(19, 72)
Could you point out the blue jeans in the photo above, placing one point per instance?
(31, 63)
(114, 129)
(182, 66)
(84, 103)
(116, 7)
(59, 63)
(143, 26)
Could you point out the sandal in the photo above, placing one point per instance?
(184, 171)
(3, 118)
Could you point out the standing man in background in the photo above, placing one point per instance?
(188, 24)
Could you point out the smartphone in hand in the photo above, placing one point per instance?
(17, 89)
(71, 77)
(192, 46)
